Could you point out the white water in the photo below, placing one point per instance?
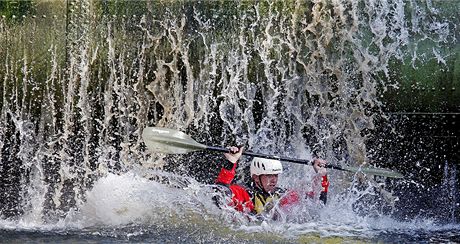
(130, 199)
(314, 88)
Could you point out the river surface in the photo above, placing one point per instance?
(131, 208)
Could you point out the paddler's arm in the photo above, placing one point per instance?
(321, 174)
(227, 173)
(240, 198)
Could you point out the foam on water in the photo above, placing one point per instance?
(131, 198)
(133, 205)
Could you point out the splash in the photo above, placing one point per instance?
(154, 205)
(294, 78)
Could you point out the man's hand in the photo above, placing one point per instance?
(234, 154)
(318, 165)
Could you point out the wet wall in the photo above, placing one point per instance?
(353, 82)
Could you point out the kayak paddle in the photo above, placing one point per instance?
(170, 141)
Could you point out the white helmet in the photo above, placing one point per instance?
(263, 166)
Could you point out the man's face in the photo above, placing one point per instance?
(268, 182)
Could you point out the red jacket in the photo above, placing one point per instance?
(243, 201)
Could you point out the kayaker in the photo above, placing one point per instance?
(263, 192)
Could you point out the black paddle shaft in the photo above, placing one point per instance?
(170, 141)
(261, 155)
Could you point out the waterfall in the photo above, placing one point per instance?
(295, 78)
(449, 190)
